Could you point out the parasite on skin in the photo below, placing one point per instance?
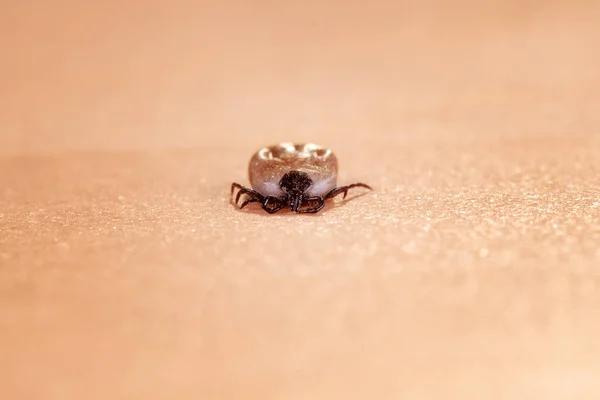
(298, 176)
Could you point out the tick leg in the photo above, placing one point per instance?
(276, 204)
(235, 186)
(344, 189)
(248, 201)
(251, 193)
(242, 189)
(317, 208)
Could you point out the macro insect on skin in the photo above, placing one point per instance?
(298, 176)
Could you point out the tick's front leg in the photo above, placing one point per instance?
(272, 204)
(314, 209)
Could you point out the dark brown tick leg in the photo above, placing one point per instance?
(235, 186)
(251, 193)
(248, 201)
(311, 210)
(344, 189)
(277, 204)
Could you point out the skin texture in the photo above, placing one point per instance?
(470, 272)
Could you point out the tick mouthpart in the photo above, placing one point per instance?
(295, 203)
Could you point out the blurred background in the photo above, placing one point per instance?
(88, 75)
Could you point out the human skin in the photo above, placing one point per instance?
(469, 272)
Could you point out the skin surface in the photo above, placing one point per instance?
(470, 272)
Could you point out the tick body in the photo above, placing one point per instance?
(298, 176)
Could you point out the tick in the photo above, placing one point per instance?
(298, 176)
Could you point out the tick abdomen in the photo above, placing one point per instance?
(269, 164)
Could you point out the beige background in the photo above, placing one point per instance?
(471, 272)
